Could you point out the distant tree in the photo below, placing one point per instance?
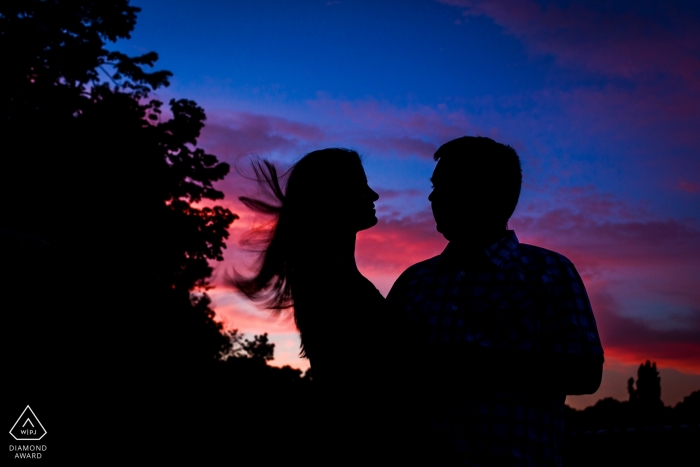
(630, 389)
(235, 347)
(119, 192)
(644, 407)
(259, 348)
(648, 390)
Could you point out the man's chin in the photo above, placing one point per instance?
(446, 232)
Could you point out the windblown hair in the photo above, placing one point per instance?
(301, 214)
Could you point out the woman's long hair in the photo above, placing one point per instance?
(301, 214)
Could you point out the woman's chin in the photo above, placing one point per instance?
(369, 223)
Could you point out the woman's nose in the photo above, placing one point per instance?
(371, 194)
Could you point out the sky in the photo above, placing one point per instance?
(600, 99)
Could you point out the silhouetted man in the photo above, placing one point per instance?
(505, 330)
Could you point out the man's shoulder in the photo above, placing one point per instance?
(547, 265)
(423, 267)
(538, 255)
(410, 276)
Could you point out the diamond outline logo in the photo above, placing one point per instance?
(28, 419)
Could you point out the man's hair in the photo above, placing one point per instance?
(493, 167)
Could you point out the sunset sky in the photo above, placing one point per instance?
(600, 99)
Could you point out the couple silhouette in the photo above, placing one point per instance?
(469, 358)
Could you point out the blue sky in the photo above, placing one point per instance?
(601, 100)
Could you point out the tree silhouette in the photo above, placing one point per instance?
(648, 391)
(96, 178)
(641, 431)
(259, 348)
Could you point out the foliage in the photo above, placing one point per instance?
(644, 409)
(248, 360)
(92, 168)
(648, 391)
(259, 348)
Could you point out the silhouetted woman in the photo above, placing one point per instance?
(308, 263)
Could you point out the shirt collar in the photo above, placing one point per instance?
(497, 253)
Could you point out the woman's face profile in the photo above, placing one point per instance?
(330, 192)
(357, 200)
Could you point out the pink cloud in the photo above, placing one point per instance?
(618, 251)
(403, 146)
(381, 130)
(624, 40)
(389, 130)
(650, 104)
(613, 244)
(608, 254)
(689, 187)
(370, 126)
(241, 133)
(649, 252)
(628, 257)
(393, 194)
(395, 244)
(658, 115)
(601, 230)
(631, 340)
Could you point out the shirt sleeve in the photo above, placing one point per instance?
(570, 326)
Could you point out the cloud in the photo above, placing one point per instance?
(378, 128)
(622, 262)
(623, 39)
(631, 340)
(627, 80)
(636, 269)
(626, 254)
(689, 187)
(242, 133)
(403, 146)
(396, 243)
(387, 130)
(622, 128)
(394, 194)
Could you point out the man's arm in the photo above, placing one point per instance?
(582, 374)
(572, 335)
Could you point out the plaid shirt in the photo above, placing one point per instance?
(513, 297)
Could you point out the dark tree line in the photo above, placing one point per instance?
(639, 431)
(643, 409)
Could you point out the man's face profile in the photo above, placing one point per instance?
(455, 200)
(462, 204)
